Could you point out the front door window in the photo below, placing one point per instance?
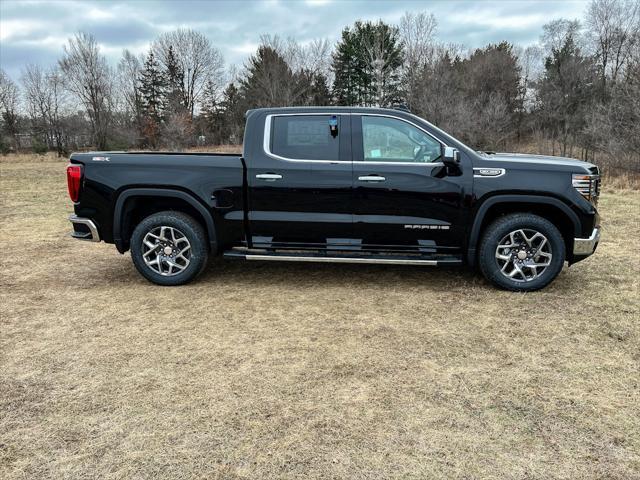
(390, 140)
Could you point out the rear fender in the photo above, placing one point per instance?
(118, 212)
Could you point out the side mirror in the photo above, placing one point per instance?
(451, 157)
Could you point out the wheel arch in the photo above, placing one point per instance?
(550, 208)
(141, 202)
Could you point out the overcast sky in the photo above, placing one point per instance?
(34, 31)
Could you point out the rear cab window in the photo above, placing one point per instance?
(306, 137)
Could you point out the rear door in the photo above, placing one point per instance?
(300, 181)
(403, 197)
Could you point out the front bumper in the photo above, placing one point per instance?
(84, 229)
(586, 246)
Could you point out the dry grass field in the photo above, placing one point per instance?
(308, 371)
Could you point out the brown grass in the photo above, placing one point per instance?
(308, 371)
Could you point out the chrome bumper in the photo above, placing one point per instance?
(586, 246)
(92, 235)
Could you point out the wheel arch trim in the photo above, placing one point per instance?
(118, 212)
(481, 213)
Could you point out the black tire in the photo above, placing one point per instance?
(502, 227)
(184, 224)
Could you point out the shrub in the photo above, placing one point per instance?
(39, 147)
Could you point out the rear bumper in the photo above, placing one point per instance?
(583, 247)
(84, 229)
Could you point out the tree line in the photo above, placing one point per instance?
(575, 93)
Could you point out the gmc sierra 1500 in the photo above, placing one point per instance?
(331, 184)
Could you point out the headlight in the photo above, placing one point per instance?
(587, 185)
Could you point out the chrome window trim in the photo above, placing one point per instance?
(266, 141)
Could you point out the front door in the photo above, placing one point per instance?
(300, 182)
(404, 200)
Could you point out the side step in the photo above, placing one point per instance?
(350, 258)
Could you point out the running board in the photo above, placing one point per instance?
(400, 260)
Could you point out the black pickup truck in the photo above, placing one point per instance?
(330, 184)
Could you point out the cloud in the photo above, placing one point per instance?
(317, 3)
(16, 29)
(34, 31)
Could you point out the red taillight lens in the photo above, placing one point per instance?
(74, 180)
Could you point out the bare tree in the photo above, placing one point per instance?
(199, 62)
(89, 78)
(45, 99)
(314, 56)
(417, 32)
(9, 103)
(614, 30)
(556, 32)
(129, 96)
(129, 68)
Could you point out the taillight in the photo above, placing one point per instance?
(74, 180)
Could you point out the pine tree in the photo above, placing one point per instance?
(269, 81)
(320, 90)
(367, 65)
(311, 89)
(232, 115)
(175, 83)
(211, 112)
(347, 66)
(153, 97)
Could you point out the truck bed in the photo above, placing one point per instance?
(215, 180)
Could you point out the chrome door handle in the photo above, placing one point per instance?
(372, 178)
(269, 177)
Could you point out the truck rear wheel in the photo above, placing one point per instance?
(169, 248)
(521, 252)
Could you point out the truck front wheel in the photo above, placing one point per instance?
(521, 252)
(169, 248)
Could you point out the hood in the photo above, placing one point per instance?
(571, 164)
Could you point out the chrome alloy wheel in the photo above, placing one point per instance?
(166, 251)
(523, 255)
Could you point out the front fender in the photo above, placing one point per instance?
(481, 212)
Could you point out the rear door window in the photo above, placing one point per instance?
(306, 137)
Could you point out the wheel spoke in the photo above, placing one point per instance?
(524, 236)
(519, 270)
(153, 262)
(152, 246)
